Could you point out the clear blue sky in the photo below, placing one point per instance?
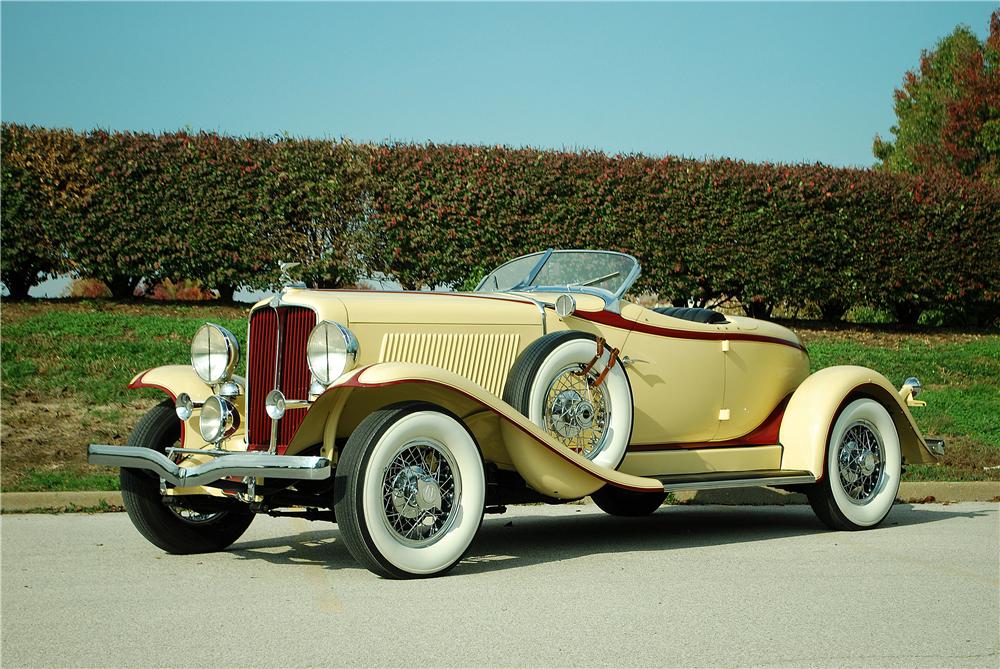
(779, 82)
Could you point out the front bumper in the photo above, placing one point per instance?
(241, 464)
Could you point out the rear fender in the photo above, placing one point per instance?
(809, 416)
(505, 437)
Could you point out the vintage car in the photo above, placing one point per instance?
(404, 416)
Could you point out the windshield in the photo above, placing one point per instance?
(599, 270)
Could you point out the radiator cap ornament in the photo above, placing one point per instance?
(286, 278)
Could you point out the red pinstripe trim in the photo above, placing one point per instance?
(765, 434)
(354, 382)
(616, 321)
(139, 384)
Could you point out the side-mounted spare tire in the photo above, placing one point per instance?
(554, 385)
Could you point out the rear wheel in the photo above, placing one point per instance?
(863, 468)
(410, 491)
(175, 529)
(621, 502)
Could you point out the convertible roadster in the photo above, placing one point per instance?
(404, 416)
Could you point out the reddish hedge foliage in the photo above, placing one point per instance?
(224, 210)
(762, 234)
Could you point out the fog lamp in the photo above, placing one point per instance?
(184, 406)
(217, 416)
(274, 404)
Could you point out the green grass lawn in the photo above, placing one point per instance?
(65, 367)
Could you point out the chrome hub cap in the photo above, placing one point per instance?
(576, 413)
(861, 461)
(420, 492)
(194, 517)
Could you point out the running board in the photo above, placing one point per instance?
(746, 479)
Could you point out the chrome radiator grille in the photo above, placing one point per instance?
(295, 325)
(483, 358)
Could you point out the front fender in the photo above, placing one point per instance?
(505, 436)
(173, 380)
(809, 416)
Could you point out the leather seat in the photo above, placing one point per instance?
(696, 314)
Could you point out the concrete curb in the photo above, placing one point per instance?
(15, 502)
(909, 492)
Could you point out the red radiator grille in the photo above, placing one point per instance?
(296, 324)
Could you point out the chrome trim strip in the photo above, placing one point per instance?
(238, 464)
(273, 447)
(739, 483)
(541, 311)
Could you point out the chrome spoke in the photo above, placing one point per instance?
(575, 412)
(420, 492)
(861, 456)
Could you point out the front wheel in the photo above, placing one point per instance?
(410, 491)
(863, 468)
(174, 528)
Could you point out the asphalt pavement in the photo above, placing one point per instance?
(541, 586)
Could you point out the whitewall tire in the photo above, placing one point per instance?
(410, 491)
(545, 385)
(862, 469)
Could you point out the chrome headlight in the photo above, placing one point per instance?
(214, 353)
(331, 350)
(217, 416)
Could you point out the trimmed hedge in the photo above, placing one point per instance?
(123, 206)
(704, 230)
(178, 206)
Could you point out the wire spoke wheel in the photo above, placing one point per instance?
(410, 490)
(546, 384)
(195, 517)
(863, 467)
(576, 412)
(186, 525)
(421, 489)
(861, 460)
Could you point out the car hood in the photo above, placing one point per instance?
(411, 307)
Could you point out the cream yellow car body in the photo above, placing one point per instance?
(702, 403)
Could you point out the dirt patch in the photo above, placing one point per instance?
(52, 434)
(888, 339)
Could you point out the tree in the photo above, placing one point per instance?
(948, 112)
(44, 178)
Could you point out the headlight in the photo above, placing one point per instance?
(331, 350)
(216, 418)
(214, 353)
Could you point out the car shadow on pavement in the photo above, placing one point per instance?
(509, 542)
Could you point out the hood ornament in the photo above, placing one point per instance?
(286, 278)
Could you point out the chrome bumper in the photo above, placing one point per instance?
(231, 464)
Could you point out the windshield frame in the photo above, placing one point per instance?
(526, 286)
